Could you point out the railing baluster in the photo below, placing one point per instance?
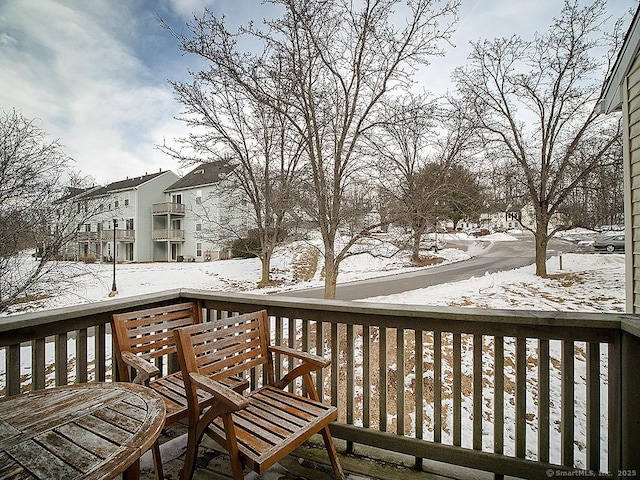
(13, 369)
(382, 367)
(593, 406)
(101, 349)
(521, 397)
(335, 363)
(477, 392)
(615, 397)
(38, 361)
(81, 355)
(457, 389)
(568, 355)
(437, 387)
(498, 394)
(400, 374)
(419, 390)
(305, 346)
(543, 400)
(61, 357)
(366, 376)
(349, 352)
(278, 358)
(320, 375)
(291, 334)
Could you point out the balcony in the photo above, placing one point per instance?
(88, 236)
(121, 235)
(516, 393)
(168, 208)
(163, 234)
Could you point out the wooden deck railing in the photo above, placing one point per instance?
(511, 392)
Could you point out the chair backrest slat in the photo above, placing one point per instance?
(229, 346)
(149, 332)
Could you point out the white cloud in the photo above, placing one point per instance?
(72, 66)
(97, 75)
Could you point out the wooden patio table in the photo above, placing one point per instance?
(83, 431)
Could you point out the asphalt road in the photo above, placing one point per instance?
(496, 257)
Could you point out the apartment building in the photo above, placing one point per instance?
(201, 216)
(159, 217)
(117, 218)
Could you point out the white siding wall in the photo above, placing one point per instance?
(145, 196)
(631, 110)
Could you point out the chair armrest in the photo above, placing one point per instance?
(234, 401)
(315, 360)
(144, 368)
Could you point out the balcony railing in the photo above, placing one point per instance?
(511, 392)
(168, 207)
(167, 234)
(121, 235)
(88, 236)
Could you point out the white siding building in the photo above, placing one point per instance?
(200, 217)
(127, 202)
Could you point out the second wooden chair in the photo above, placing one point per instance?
(263, 427)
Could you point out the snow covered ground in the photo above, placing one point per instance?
(586, 282)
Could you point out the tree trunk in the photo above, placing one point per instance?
(541, 252)
(265, 260)
(415, 253)
(330, 276)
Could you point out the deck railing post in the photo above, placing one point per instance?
(630, 411)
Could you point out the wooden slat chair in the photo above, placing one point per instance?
(143, 337)
(263, 427)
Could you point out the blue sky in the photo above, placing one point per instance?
(95, 72)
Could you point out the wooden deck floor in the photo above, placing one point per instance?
(309, 462)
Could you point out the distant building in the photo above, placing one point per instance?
(128, 204)
(159, 217)
(204, 215)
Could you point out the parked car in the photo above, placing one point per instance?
(478, 232)
(610, 243)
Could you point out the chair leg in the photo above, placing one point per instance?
(333, 454)
(157, 460)
(191, 456)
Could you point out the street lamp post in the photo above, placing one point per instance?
(488, 217)
(435, 228)
(114, 290)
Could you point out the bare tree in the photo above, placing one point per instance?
(536, 102)
(256, 140)
(401, 144)
(330, 63)
(33, 229)
(421, 147)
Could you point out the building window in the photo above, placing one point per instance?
(117, 203)
(198, 197)
(126, 202)
(198, 227)
(129, 223)
(198, 249)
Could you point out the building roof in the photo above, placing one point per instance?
(612, 94)
(72, 192)
(126, 184)
(204, 174)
